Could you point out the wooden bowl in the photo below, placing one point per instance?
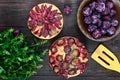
(83, 26)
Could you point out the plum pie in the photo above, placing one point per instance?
(68, 57)
(45, 21)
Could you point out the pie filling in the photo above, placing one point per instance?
(68, 57)
(45, 21)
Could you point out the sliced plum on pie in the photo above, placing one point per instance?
(63, 72)
(60, 42)
(83, 53)
(67, 49)
(65, 65)
(82, 68)
(59, 58)
(51, 59)
(75, 61)
(56, 69)
(70, 58)
(79, 44)
(75, 53)
(46, 19)
(53, 49)
(44, 31)
(32, 24)
(71, 41)
(72, 72)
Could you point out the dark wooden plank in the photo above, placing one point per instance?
(14, 13)
(76, 78)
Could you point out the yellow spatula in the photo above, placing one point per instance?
(106, 58)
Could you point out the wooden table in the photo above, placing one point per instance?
(14, 13)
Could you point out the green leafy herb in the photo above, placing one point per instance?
(18, 58)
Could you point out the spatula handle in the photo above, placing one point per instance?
(118, 68)
(118, 71)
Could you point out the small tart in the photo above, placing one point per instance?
(70, 59)
(45, 21)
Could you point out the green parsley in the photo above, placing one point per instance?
(18, 58)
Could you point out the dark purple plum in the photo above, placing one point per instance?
(94, 16)
(91, 28)
(106, 18)
(99, 16)
(97, 34)
(109, 4)
(17, 32)
(92, 5)
(111, 31)
(67, 9)
(99, 23)
(106, 24)
(94, 19)
(112, 13)
(67, 49)
(87, 11)
(114, 22)
(100, 7)
(103, 31)
(106, 11)
(87, 20)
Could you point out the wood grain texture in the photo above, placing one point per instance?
(14, 13)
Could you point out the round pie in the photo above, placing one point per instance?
(45, 21)
(68, 57)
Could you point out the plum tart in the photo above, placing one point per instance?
(45, 21)
(68, 57)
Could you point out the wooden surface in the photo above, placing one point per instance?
(14, 13)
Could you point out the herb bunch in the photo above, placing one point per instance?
(18, 58)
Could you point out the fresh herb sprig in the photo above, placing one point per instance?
(18, 58)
